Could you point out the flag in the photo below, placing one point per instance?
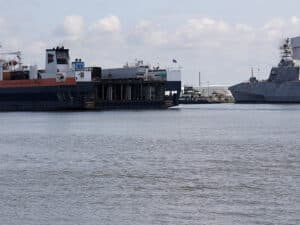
(174, 61)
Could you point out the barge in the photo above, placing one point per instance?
(72, 86)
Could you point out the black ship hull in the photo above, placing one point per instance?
(174, 87)
(51, 98)
(88, 96)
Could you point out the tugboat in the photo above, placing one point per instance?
(282, 86)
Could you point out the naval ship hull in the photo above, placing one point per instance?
(267, 92)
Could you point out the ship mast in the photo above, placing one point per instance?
(286, 51)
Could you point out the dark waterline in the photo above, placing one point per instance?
(200, 164)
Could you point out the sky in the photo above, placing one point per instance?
(220, 39)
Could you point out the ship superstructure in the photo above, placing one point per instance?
(282, 86)
(138, 70)
(55, 88)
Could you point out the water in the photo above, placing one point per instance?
(207, 164)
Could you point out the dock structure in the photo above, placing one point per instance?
(135, 86)
(129, 93)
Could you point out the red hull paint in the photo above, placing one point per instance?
(36, 83)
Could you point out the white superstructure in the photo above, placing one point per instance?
(173, 75)
(295, 44)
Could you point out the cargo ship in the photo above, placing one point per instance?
(282, 85)
(72, 86)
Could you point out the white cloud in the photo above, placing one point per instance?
(73, 26)
(274, 24)
(274, 29)
(148, 34)
(206, 25)
(202, 32)
(243, 27)
(295, 20)
(223, 51)
(110, 24)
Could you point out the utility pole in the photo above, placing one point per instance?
(199, 79)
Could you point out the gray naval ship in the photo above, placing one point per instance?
(283, 84)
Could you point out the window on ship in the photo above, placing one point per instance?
(62, 61)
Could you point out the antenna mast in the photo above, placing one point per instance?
(286, 52)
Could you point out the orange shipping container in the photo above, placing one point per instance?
(6, 75)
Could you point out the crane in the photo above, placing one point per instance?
(18, 54)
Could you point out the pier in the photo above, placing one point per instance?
(129, 93)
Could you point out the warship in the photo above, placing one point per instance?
(282, 85)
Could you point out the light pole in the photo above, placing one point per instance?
(199, 79)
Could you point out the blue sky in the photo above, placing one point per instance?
(222, 39)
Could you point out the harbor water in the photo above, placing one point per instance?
(201, 164)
